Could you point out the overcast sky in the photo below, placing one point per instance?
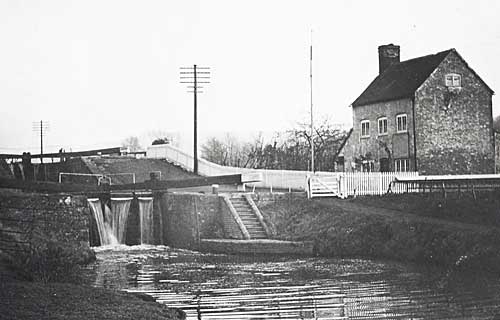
(101, 71)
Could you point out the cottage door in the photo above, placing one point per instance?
(384, 165)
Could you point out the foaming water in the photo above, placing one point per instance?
(236, 287)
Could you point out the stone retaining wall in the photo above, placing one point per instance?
(190, 217)
(64, 218)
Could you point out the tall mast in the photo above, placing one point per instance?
(312, 118)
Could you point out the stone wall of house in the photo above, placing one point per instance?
(455, 139)
(391, 146)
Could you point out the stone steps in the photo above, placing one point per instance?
(248, 217)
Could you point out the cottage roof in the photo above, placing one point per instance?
(401, 79)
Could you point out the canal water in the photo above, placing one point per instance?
(210, 286)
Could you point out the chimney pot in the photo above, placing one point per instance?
(387, 55)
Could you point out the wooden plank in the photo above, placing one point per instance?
(115, 150)
(53, 187)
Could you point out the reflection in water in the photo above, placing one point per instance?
(234, 287)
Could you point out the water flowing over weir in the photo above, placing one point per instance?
(112, 223)
(102, 229)
(119, 214)
(146, 219)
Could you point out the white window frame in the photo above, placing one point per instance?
(401, 126)
(382, 120)
(453, 80)
(365, 133)
(402, 165)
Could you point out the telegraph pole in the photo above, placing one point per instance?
(41, 128)
(190, 75)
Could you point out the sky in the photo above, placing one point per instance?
(99, 71)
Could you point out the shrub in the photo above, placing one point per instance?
(48, 260)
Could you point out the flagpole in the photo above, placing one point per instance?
(312, 119)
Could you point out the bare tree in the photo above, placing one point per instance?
(290, 150)
(132, 143)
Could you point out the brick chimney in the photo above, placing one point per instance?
(387, 54)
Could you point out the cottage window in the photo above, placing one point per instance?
(402, 165)
(453, 80)
(401, 123)
(382, 126)
(365, 128)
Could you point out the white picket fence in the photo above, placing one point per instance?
(356, 183)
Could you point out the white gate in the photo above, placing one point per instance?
(323, 186)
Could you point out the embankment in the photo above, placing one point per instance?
(350, 228)
(31, 300)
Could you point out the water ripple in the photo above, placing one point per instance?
(235, 287)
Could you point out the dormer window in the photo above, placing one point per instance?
(453, 80)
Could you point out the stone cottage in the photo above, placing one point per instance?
(431, 114)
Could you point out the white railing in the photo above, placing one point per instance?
(278, 179)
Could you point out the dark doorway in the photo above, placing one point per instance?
(384, 165)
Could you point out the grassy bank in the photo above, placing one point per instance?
(353, 228)
(481, 208)
(41, 283)
(34, 300)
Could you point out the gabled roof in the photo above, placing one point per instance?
(401, 80)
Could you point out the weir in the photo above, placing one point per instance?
(146, 213)
(118, 217)
(146, 219)
(111, 222)
(102, 227)
(182, 220)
